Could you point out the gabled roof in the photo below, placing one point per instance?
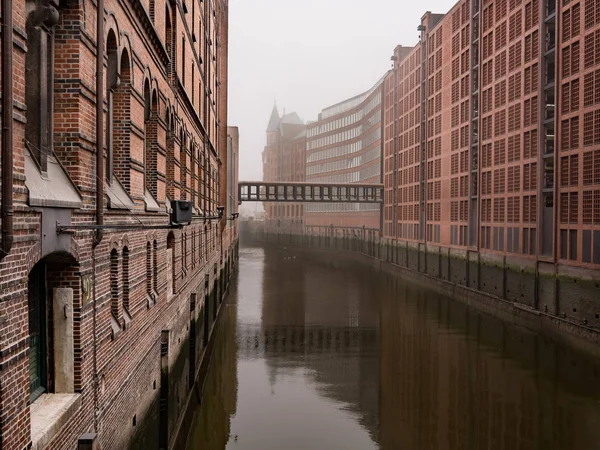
(300, 135)
(292, 118)
(274, 120)
(291, 130)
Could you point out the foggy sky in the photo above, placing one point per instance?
(309, 54)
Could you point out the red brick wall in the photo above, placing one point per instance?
(402, 147)
(119, 377)
(509, 154)
(578, 165)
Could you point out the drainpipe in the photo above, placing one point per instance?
(99, 120)
(99, 184)
(7, 129)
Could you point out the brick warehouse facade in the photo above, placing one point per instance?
(102, 331)
(490, 158)
(284, 159)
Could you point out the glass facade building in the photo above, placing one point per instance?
(344, 146)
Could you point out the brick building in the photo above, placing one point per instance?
(284, 159)
(233, 170)
(105, 312)
(490, 153)
(577, 124)
(344, 146)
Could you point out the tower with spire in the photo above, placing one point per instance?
(273, 126)
(284, 159)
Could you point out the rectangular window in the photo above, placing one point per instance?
(573, 245)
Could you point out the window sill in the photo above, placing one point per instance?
(48, 414)
(115, 327)
(127, 318)
(151, 298)
(150, 202)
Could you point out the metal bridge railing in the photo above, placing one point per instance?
(266, 191)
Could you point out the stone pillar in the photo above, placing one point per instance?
(63, 340)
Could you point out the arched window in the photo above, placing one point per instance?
(114, 283)
(183, 61)
(203, 183)
(182, 250)
(183, 163)
(192, 170)
(171, 144)
(200, 247)
(155, 266)
(171, 260)
(125, 272)
(185, 242)
(199, 175)
(149, 269)
(39, 68)
(110, 83)
(169, 33)
(121, 127)
(193, 249)
(150, 138)
(206, 243)
(147, 112)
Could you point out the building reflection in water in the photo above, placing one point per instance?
(348, 358)
(455, 379)
(212, 420)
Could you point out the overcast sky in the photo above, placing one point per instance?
(307, 55)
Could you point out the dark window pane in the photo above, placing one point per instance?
(596, 247)
(586, 246)
(573, 244)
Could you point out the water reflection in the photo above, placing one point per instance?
(314, 356)
(211, 424)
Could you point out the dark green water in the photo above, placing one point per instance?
(314, 357)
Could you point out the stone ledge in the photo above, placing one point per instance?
(48, 414)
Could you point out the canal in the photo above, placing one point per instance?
(313, 356)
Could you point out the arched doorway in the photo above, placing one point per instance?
(53, 290)
(38, 323)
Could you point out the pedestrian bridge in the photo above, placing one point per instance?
(282, 191)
